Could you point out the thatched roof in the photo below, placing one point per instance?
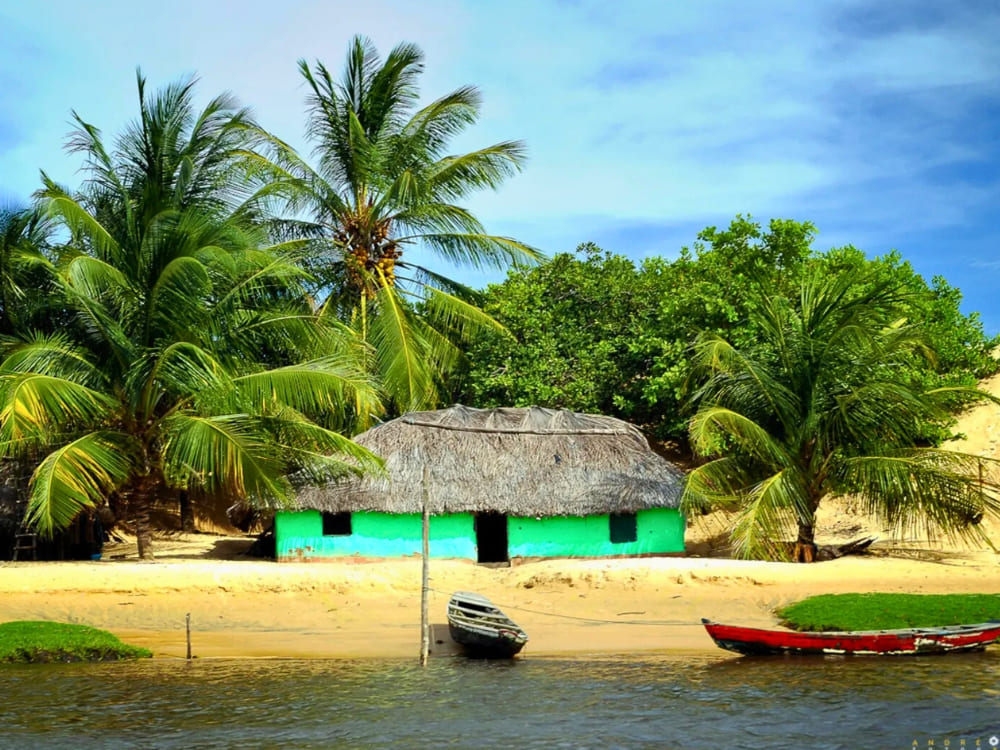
(522, 462)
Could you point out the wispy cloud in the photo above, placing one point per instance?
(644, 120)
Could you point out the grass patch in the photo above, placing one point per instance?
(889, 611)
(30, 641)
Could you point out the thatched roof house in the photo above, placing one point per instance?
(501, 485)
(514, 461)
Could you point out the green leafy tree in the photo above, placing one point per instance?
(963, 353)
(195, 361)
(582, 337)
(823, 406)
(384, 185)
(596, 333)
(712, 289)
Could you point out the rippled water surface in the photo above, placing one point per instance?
(609, 702)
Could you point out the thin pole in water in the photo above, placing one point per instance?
(425, 636)
(188, 628)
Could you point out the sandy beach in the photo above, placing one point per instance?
(246, 607)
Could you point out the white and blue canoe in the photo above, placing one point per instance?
(483, 631)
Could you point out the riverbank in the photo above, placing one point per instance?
(250, 608)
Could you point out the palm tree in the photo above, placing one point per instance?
(195, 361)
(822, 408)
(383, 185)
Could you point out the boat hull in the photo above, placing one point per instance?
(485, 646)
(910, 641)
(481, 629)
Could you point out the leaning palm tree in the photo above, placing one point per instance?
(822, 408)
(384, 185)
(194, 360)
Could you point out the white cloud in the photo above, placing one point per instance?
(874, 120)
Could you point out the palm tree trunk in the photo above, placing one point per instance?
(805, 545)
(139, 500)
(143, 529)
(186, 513)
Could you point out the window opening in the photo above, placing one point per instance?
(336, 524)
(623, 527)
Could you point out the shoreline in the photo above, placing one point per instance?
(371, 608)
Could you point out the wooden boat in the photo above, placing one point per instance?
(755, 641)
(481, 628)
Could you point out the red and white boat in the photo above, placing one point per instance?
(755, 641)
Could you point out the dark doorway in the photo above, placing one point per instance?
(491, 537)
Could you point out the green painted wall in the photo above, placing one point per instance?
(658, 531)
(299, 536)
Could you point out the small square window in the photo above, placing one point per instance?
(623, 528)
(336, 524)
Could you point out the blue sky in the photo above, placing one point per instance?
(644, 121)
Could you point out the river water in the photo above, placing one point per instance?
(651, 701)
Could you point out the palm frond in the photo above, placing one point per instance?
(716, 485)
(712, 425)
(435, 124)
(36, 408)
(188, 371)
(734, 379)
(81, 224)
(51, 354)
(316, 387)
(970, 392)
(225, 452)
(430, 216)
(458, 316)
(103, 177)
(768, 513)
(252, 274)
(318, 455)
(103, 327)
(481, 250)
(306, 336)
(177, 297)
(77, 476)
(487, 168)
(927, 491)
(401, 353)
(422, 278)
(388, 90)
(363, 157)
(94, 277)
(879, 410)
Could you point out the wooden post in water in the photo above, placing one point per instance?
(425, 635)
(187, 619)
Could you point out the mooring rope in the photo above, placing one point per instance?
(595, 620)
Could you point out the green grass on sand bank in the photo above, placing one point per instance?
(889, 611)
(28, 641)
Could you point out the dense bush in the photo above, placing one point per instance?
(595, 332)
